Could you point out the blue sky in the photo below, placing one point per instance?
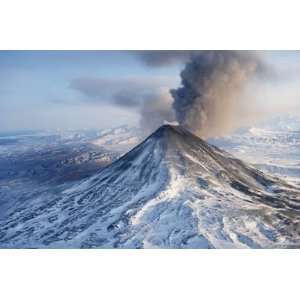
(73, 89)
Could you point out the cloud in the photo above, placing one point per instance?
(101, 90)
(150, 97)
(127, 98)
(160, 58)
(119, 91)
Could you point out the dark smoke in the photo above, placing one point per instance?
(208, 102)
(160, 58)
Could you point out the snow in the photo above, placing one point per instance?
(171, 191)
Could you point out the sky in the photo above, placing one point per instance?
(100, 89)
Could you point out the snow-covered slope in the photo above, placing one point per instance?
(271, 151)
(171, 191)
(118, 139)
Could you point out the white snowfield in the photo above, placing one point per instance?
(171, 191)
(118, 139)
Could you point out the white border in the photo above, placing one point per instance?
(155, 24)
(149, 274)
(145, 274)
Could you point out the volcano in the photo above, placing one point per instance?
(173, 190)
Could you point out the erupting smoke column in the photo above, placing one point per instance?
(155, 110)
(208, 101)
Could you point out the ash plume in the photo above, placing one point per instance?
(156, 109)
(209, 101)
(161, 58)
(218, 91)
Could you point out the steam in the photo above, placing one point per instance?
(209, 102)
